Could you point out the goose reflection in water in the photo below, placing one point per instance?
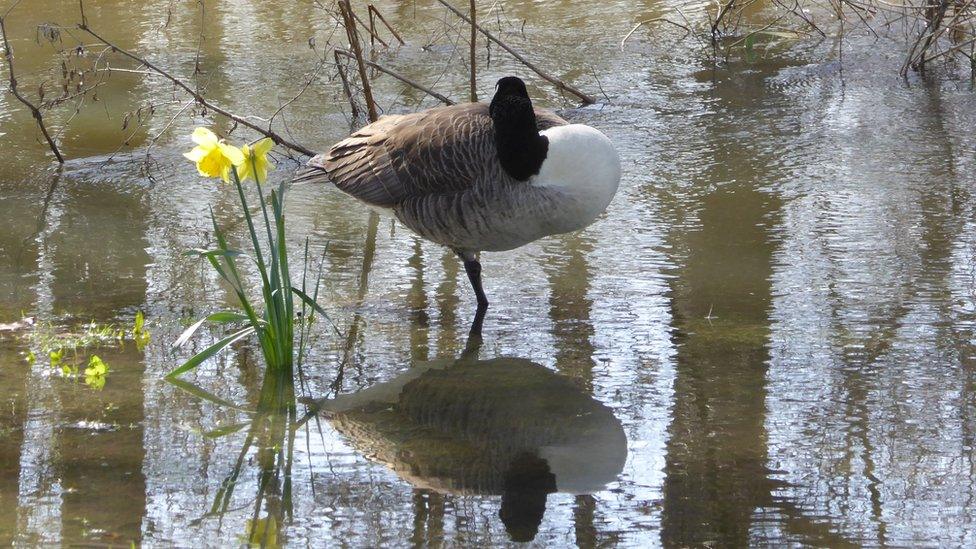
(505, 426)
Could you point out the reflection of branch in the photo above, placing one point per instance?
(814, 530)
(9, 56)
(369, 250)
(268, 132)
(42, 216)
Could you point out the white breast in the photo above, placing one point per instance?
(581, 172)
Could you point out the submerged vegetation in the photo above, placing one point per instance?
(70, 353)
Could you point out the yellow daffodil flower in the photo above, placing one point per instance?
(261, 164)
(213, 157)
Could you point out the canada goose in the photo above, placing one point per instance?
(477, 177)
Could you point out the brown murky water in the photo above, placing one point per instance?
(769, 338)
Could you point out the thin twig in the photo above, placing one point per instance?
(474, 39)
(648, 21)
(167, 126)
(399, 77)
(953, 23)
(305, 86)
(203, 25)
(857, 11)
(953, 49)
(267, 132)
(35, 112)
(370, 30)
(373, 11)
(721, 14)
(350, 24)
(927, 35)
(797, 10)
(345, 85)
(545, 76)
(689, 27)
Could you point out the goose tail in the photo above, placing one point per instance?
(312, 172)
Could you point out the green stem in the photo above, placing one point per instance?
(271, 313)
(285, 289)
(264, 207)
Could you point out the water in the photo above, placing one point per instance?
(769, 338)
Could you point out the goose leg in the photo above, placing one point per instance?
(473, 267)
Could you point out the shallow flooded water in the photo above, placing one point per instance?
(769, 338)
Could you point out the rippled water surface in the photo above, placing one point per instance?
(770, 337)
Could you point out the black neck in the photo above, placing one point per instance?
(521, 149)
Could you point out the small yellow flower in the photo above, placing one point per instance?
(261, 164)
(213, 157)
(95, 373)
(96, 367)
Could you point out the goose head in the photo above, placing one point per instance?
(511, 85)
(521, 149)
(580, 161)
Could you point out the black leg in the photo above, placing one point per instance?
(473, 346)
(474, 334)
(473, 267)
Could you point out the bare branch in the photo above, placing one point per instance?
(545, 76)
(345, 84)
(399, 77)
(267, 132)
(8, 55)
(474, 39)
(371, 29)
(350, 25)
(721, 15)
(373, 11)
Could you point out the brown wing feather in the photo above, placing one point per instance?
(438, 151)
